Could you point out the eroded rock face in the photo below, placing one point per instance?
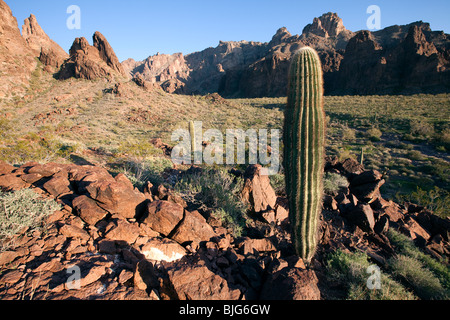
(415, 60)
(16, 58)
(107, 53)
(48, 51)
(409, 58)
(91, 62)
(291, 284)
(258, 192)
(328, 25)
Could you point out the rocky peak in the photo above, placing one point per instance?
(417, 42)
(91, 62)
(107, 53)
(279, 37)
(327, 25)
(16, 58)
(32, 30)
(363, 41)
(48, 51)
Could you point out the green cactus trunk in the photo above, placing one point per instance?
(304, 140)
(192, 133)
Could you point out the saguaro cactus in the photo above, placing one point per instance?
(192, 133)
(304, 140)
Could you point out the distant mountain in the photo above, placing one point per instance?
(398, 59)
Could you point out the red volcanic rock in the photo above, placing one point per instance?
(48, 51)
(16, 58)
(91, 62)
(106, 52)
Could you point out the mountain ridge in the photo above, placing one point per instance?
(255, 69)
(399, 59)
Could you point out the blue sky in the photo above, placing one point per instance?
(140, 28)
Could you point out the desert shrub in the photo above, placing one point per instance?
(373, 134)
(420, 279)
(345, 153)
(421, 128)
(333, 182)
(5, 126)
(137, 150)
(415, 155)
(348, 134)
(436, 200)
(140, 172)
(405, 246)
(350, 271)
(218, 190)
(278, 183)
(443, 140)
(20, 210)
(35, 147)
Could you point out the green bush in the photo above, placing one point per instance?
(20, 210)
(141, 172)
(137, 150)
(415, 155)
(277, 181)
(216, 189)
(419, 278)
(421, 128)
(436, 200)
(350, 271)
(373, 134)
(406, 247)
(333, 182)
(348, 134)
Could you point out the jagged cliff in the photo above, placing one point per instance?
(397, 59)
(16, 57)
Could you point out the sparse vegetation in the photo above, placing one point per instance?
(218, 190)
(406, 247)
(419, 278)
(333, 182)
(22, 210)
(350, 271)
(436, 200)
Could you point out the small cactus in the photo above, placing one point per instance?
(361, 159)
(192, 134)
(304, 141)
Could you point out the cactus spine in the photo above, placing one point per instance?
(304, 140)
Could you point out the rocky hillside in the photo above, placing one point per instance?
(20, 53)
(16, 58)
(155, 245)
(398, 59)
(48, 51)
(91, 62)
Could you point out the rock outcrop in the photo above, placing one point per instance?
(397, 59)
(375, 64)
(107, 53)
(328, 25)
(159, 68)
(47, 50)
(196, 73)
(91, 62)
(132, 245)
(16, 58)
